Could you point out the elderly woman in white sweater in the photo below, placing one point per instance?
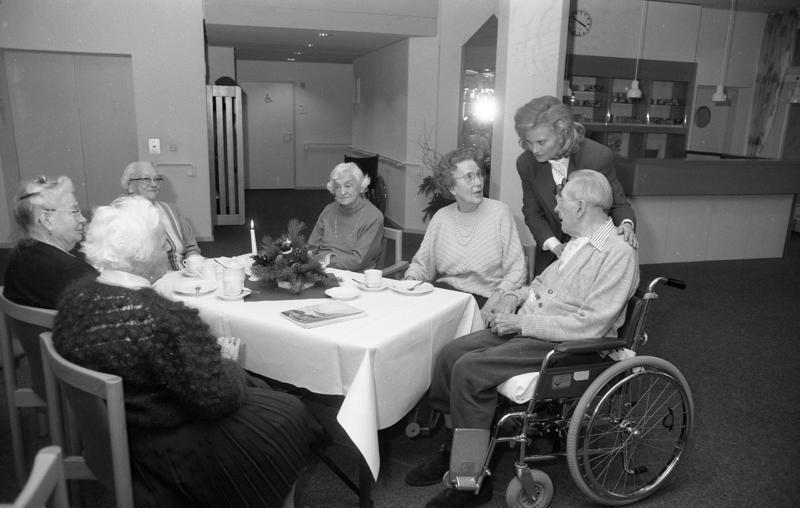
(471, 245)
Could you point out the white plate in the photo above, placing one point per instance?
(362, 287)
(188, 287)
(403, 287)
(223, 296)
(341, 293)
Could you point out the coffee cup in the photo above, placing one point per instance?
(373, 278)
(194, 264)
(233, 280)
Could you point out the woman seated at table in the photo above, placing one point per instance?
(50, 224)
(349, 232)
(141, 178)
(201, 431)
(471, 245)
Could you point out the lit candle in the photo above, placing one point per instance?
(252, 238)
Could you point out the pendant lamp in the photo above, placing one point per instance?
(719, 95)
(634, 92)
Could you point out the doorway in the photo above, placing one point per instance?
(269, 139)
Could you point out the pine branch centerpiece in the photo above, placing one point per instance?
(287, 260)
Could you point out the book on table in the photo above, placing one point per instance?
(322, 314)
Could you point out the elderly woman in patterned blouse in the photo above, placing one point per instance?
(142, 178)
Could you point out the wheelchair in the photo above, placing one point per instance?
(622, 424)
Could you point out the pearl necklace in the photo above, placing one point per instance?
(465, 232)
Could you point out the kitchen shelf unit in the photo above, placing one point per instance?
(654, 126)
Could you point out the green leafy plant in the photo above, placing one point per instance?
(288, 259)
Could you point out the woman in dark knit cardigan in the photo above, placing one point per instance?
(201, 431)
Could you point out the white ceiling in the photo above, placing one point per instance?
(282, 44)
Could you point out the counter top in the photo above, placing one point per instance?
(681, 177)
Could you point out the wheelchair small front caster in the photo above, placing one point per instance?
(541, 495)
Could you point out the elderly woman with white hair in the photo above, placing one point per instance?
(349, 231)
(50, 224)
(142, 178)
(201, 431)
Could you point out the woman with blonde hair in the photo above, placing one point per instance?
(50, 224)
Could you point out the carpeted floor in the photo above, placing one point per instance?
(734, 333)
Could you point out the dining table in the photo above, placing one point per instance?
(381, 362)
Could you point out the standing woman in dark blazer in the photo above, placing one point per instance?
(555, 146)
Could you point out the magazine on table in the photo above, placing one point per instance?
(322, 314)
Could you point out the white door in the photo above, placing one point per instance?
(269, 141)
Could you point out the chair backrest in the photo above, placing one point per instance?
(46, 482)
(24, 324)
(634, 313)
(368, 165)
(398, 265)
(96, 400)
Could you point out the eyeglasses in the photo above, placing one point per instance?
(470, 178)
(153, 180)
(76, 214)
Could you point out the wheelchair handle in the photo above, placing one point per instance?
(676, 283)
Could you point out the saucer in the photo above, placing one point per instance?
(341, 293)
(402, 287)
(233, 298)
(363, 287)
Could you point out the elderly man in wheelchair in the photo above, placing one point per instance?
(625, 423)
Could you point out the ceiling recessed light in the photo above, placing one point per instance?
(297, 53)
(290, 59)
(323, 34)
(309, 45)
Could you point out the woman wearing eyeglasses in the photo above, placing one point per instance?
(554, 146)
(471, 245)
(142, 178)
(50, 224)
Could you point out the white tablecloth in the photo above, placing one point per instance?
(381, 363)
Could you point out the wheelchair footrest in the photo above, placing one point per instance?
(468, 455)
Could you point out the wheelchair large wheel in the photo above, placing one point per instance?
(629, 429)
(516, 497)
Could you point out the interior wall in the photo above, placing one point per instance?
(166, 43)
(221, 61)
(323, 112)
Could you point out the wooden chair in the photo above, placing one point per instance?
(398, 267)
(97, 402)
(25, 324)
(46, 482)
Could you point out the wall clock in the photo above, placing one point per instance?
(580, 22)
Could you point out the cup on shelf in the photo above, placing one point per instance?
(373, 278)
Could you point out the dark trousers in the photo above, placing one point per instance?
(469, 369)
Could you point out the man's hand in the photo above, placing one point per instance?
(505, 324)
(626, 230)
(557, 250)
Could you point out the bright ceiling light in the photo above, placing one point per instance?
(634, 93)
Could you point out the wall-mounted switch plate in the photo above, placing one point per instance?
(155, 145)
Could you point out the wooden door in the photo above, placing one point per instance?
(269, 140)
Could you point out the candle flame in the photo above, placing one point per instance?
(251, 225)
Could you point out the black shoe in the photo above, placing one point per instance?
(452, 498)
(431, 471)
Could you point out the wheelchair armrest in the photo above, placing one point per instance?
(588, 345)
